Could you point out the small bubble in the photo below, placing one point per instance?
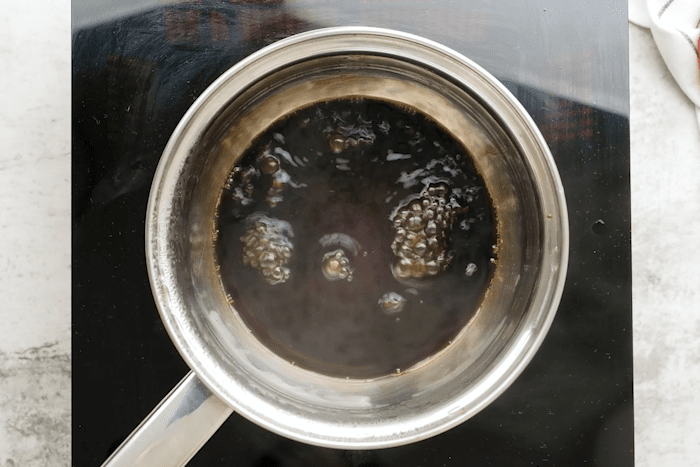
(267, 260)
(598, 227)
(441, 189)
(269, 164)
(414, 223)
(432, 267)
(336, 143)
(400, 235)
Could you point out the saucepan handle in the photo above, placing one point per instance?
(175, 430)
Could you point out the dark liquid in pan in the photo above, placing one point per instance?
(355, 238)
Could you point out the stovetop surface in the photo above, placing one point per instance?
(134, 76)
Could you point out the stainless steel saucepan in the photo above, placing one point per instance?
(231, 369)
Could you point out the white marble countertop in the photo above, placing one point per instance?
(665, 161)
(35, 391)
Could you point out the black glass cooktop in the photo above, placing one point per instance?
(135, 73)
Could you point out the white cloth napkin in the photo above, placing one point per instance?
(675, 26)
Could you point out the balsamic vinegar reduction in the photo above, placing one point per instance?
(355, 238)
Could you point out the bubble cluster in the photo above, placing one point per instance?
(241, 179)
(349, 132)
(269, 162)
(267, 247)
(337, 266)
(421, 227)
